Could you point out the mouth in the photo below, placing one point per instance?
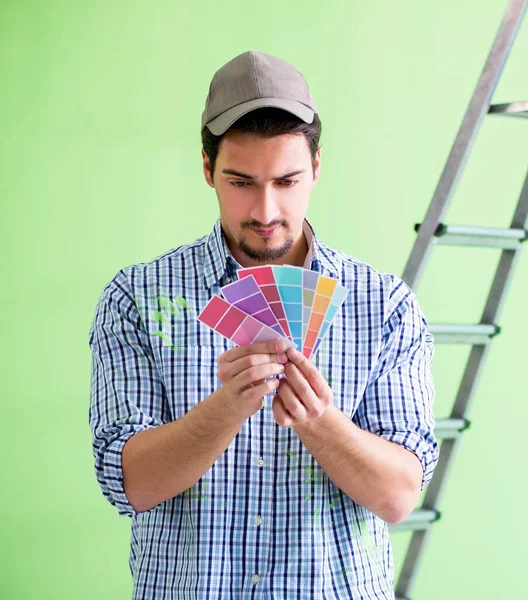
(266, 233)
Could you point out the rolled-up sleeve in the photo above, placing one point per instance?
(127, 394)
(398, 401)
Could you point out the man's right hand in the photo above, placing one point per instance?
(243, 371)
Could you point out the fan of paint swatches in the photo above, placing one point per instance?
(237, 326)
(304, 301)
(246, 295)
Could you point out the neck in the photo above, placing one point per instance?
(297, 255)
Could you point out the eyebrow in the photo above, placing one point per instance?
(245, 176)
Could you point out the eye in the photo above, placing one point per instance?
(235, 183)
(241, 184)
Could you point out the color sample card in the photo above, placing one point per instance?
(322, 298)
(246, 295)
(310, 279)
(237, 326)
(335, 302)
(289, 281)
(265, 279)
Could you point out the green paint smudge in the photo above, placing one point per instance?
(313, 477)
(291, 454)
(158, 316)
(181, 301)
(163, 336)
(343, 571)
(367, 542)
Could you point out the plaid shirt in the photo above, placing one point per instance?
(265, 522)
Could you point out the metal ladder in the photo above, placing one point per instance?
(433, 231)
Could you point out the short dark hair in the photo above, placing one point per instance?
(265, 122)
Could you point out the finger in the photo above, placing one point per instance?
(314, 377)
(259, 391)
(291, 402)
(273, 348)
(253, 360)
(303, 390)
(281, 415)
(253, 374)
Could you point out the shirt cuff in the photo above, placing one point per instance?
(109, 472)
(427, 452)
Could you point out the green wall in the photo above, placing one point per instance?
(100, 162)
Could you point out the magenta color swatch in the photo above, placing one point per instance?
(262, 275)
(230, 322)
(271, 293)
(213, 311)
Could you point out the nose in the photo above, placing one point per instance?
(266, 207)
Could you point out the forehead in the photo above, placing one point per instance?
(243, 146)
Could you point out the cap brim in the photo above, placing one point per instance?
(225, 120)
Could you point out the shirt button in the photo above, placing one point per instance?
(260, 462)
(255, 578)
(258, 520)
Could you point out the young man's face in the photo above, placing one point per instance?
(262, 216)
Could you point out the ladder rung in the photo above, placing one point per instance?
(491, 237)
(464, 334)
(446, 429)
(419, 519)
(512, 109)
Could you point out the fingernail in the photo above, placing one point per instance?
(280, 346)
(283, 357)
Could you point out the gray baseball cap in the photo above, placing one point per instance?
(252, 80)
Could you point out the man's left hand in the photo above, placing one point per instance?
(303, 395)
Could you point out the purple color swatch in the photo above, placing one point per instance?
(246, 295)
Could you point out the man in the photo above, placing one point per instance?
(251, 472)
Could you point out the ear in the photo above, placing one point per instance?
(207, 169)
(317, 165)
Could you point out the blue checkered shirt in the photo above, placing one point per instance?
(265, 522)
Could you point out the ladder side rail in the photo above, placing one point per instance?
(477, 109)
(495, 301)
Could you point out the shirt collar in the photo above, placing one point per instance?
(219, 261)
